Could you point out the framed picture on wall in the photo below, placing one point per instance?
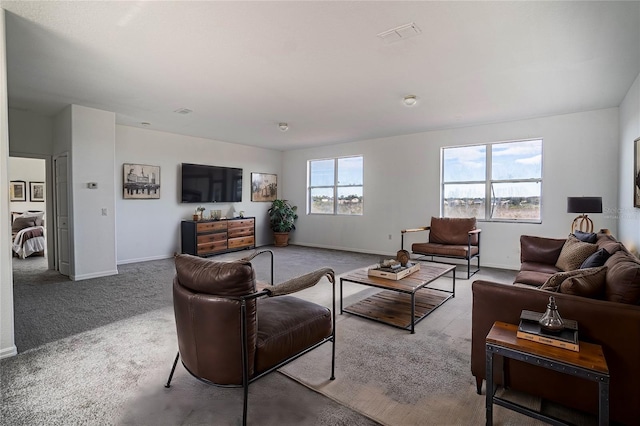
(264, 187)
(36, 191)
(18, 190)
(141, 182)
(636, 173)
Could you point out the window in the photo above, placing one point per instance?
(508, 174)
(335, 186)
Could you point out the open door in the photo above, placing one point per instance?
(62, 213)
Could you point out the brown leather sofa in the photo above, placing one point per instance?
(613, 322)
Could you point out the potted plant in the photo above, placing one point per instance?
(282, 216)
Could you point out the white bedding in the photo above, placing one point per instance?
(31, 245)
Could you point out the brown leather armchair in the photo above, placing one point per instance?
(231, 335)
(456, 238)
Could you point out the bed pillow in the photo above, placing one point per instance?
(37, 214)
(19, 223)
(574, 253)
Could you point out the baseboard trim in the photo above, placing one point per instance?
(351, 249)
(144, 259)
(94, 275)
(8, 352)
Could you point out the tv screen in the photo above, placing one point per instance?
(211, 184)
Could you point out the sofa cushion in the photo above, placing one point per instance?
(587, 237)
(288, 325)
(590, 283)
(623, 278)
(607, 242)
(532, 278)
(573, 253)
(444, 249)
(596, 259)
(446, 230)
(546, 268)
(539, 249)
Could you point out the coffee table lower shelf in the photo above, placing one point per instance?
(392, 308)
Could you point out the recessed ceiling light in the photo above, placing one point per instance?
(283, 127)
(183, 111)
(410, 100)
(145, 124)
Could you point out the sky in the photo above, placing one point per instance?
(511, 160)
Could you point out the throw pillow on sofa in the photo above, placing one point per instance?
(555, 281)
(574, 253)
(596, 259)
(587, 237)
(590, 283)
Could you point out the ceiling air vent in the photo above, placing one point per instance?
(183, 111)
(400, 33)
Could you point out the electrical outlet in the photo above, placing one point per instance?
(104, 212)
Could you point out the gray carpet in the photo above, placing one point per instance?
(97, 352)
(110, 368)
(68, 308)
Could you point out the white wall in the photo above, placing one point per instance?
(150, 229)
(92, 160)
(627, 215)
(27, 170)
(30, 133)
(7, 342)
(402, 183)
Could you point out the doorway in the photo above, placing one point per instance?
(29, 207)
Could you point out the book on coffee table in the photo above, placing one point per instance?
(530, 329)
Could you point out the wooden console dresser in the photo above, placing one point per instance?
(211, 237)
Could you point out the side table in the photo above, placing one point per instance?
(589, 363)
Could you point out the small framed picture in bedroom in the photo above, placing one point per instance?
(18, 190)
(141, 182)
(36, 191)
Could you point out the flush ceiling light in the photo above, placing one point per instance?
(410, 100)
(283, 127)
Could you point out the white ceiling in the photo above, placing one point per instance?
(243, 67)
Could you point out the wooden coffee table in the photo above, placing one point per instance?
(402, 303)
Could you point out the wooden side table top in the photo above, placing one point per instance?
(589, 357)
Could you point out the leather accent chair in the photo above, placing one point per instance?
(455, 238)
(230, 334)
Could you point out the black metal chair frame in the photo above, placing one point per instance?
(246, 380)
(468, 258)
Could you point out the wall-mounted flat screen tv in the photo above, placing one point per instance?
(211, 184)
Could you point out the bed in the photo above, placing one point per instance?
(28, 234)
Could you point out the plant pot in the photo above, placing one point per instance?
(281, 239)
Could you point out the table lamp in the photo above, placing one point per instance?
(583, 205)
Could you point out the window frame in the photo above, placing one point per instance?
(334, 187)
(488, 182)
